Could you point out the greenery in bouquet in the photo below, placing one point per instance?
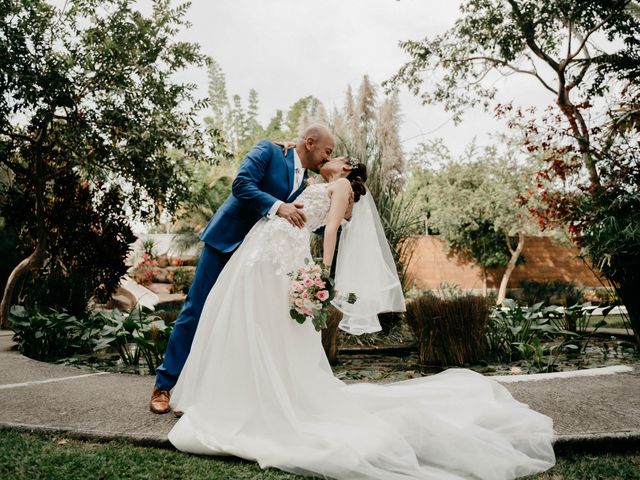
(310, 292)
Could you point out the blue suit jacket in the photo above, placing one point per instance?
(265, 175)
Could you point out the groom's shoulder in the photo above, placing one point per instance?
(267, 146)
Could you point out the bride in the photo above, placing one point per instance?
(258, 385)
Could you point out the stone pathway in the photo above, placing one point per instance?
(599, 407)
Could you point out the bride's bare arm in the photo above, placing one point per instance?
(340, 193)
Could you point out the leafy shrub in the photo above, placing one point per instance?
(181, 280)
(449, 331)
(414, 292)
(603, 297)
(605, 221)
(537, 334)
(448, 291)
(87, 247)
(47, 336)
(135, 335)
(58, 291)
(512, 325)
(557, 292)
(149, 246)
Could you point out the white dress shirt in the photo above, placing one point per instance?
(297, 181)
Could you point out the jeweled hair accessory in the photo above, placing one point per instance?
(351, 161)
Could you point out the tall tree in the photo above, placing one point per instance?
(218, 100)
(518, 37)
(474, 204)
(89, 92)
(235, 127)
(275, 128)
(300, 114)
(603, 221)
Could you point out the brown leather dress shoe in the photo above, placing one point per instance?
(159, 402)
(178, 413)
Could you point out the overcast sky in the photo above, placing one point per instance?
(287, 49)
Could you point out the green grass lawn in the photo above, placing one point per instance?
(29, 456)
(590, 466)
(33, 456)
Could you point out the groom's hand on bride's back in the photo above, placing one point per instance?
(292, 213)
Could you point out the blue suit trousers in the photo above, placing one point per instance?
(210, 265)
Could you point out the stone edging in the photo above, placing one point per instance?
(592, 441)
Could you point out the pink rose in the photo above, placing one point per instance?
(299, 287)
(322, 295)
(308, 282)
(305, 295)
(319, 283)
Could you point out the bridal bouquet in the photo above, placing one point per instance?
(310, 292)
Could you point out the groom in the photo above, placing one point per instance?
(267, 184)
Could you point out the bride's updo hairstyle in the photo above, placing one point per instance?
(357, 176)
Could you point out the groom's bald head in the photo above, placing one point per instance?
(317, 131)
(315, 146)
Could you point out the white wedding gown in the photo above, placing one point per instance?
(258, 385)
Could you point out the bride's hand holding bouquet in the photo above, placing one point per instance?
(310, 292)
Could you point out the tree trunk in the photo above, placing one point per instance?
(32, 262)
(578, 127)
(581, 134)
(485, 291)
(36, 259)
(515, 254)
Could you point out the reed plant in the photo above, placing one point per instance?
(449, 331)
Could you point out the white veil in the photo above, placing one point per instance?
(366, 271)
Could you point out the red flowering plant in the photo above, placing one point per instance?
(310, 292)
(590, 185)
(145, 270)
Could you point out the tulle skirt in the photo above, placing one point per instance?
(258, 385)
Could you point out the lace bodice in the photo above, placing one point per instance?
(277, 241)
(316, 205)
